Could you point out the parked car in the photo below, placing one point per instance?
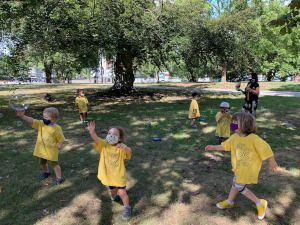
(138, 76)
(297, 78)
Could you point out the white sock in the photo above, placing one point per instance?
(260, 202)
(229, 202)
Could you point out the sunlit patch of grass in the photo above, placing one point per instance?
(173, 181)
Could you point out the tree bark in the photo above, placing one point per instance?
(270, 75)
(124, 70)
(224, 73)
(193, 78)
(157, 77)
(48, 71)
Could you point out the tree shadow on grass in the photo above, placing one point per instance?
(164, 177)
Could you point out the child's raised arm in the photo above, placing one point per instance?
(272, 164)
(214, 147)
(21, 114)
(91, 128)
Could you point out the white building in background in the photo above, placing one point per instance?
(105, 72)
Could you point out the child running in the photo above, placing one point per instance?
(194, 109)
(223, 119)
(81, 103)
(247, 153)
(49, 141)
(111, 170)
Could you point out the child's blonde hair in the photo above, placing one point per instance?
(52, 112)
(247, 122)
(121, 132)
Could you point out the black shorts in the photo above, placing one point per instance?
(113, 187)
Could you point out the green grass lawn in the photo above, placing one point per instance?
(169, 182)
(264, 86)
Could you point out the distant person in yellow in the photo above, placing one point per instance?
(111, 170)
(223, 119)
(247, 153)
(194, 109)
(81, 103)
(49, 141)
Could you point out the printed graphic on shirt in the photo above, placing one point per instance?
(112, 161)
(225, 122)
(243, 155)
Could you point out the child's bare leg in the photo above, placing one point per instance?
(57, 171)
(80, 114)
(232, 194)
(85, 116)
(193, 121)
(113, 192)
(124, 197)
(251, 196)
(45, 167)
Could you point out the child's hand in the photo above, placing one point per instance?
(91, 126)
(122, 146)
(209, 148)
(20, 113)
(59, 147)
(273, 165)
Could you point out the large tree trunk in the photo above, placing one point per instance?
(124, 71)
(270, 75)
(192, 79)
(224, 73)
(48, 71)
(157, 77)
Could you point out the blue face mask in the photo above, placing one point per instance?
(46, 121)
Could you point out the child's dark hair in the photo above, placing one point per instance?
(79, 90)
(247, 122)
(121, 132)
(254, 76)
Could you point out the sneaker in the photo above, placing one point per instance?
(126, 212)
(262, 209)
(86, 121)
(57, 181)
(194, 125)
(45, 175)
(117, 198)
(224, 205)
(81, 121)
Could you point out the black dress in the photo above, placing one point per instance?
(251, 100)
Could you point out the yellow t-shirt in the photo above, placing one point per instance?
(194, 105)
(223, 126)
(247, 154)
(81, 103)
(47, 140)
(111, 170)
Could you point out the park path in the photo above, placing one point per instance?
(269, 93)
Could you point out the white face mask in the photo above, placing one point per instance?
(196, 99)
(112, 139)
(82, 94)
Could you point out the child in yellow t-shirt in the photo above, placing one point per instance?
(49, 141)
(247, 153)
(111, 170)
(194, 109)
(223, 119)
(81, 103)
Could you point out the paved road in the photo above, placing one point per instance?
(270, 93)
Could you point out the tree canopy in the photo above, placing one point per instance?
(195, 37)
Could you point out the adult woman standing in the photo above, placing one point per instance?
(251, 95)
